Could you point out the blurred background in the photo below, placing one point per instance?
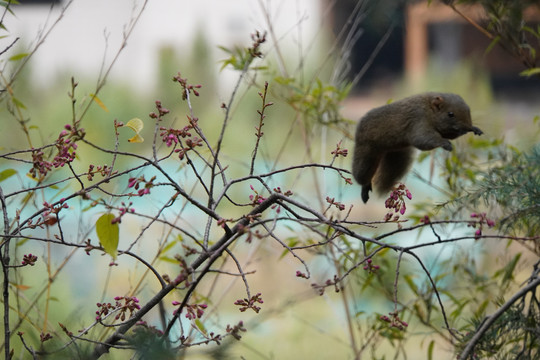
(386, 49)
(396, 48)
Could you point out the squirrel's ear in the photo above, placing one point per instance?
(436, 103)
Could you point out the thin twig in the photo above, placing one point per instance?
(396, 281)
(434, 287)
(5, 270)
(259, 132)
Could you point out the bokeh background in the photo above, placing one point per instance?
(396, 49)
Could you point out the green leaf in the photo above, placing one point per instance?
(18, 56)
(27, 197)
(200, 326)
(7, 174)
(509, 269)
(167, 247)
(21, 242)
(168, 259)
(490, 47)
(430, 350)
(530, 72)
(481, 310)
(292, 243)
(412, 285)
(18, 103)
(108, 234)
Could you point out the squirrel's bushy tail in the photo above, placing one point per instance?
(393, 166)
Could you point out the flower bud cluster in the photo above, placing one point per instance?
(136, 183)
(258, 40)
(29, 259)
(161, 111)
(234, 330)
(328, 282)
(255, 199)
(339, 151)
(66, 144)
(104, 170)
(123, 210)
(130, 303)
(337, 204)
(186, 88)
(396, 202)
(370, 267)
(480, 220)
(50, 215)
(250, 303)
(394, 321)
(193, 311)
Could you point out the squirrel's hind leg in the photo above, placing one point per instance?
(393, 166)
(365, 164)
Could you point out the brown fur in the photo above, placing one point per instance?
(386, 136)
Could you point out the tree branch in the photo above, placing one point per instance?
(213, 253)
(490, 320)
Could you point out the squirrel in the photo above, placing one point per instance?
(386, 136)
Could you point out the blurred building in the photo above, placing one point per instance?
(411, 36)
(449, 37)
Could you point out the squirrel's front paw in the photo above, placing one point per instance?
(477, 131)
(447, 145)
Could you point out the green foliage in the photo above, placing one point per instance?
(240, 58)
(509, 185)
(514, 335)
(530, 72)
(515, 187)
(108, 234)
(506, 27)
(318, 102)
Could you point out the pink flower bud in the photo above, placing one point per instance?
(402, 209)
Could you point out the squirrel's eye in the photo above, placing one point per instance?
(450, 114)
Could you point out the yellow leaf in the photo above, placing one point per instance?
(32, 177)
(99, 102)
(135, 124)
(136, 139)
(108, 234)
(21, 287)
